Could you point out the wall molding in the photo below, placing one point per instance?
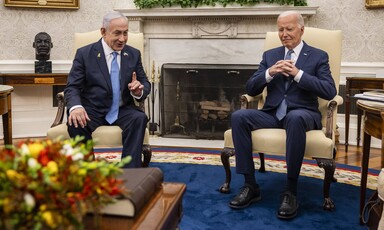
(348, 69)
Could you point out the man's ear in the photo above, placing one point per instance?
(34, 45)
(102, 31)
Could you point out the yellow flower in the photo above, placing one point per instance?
(7, 206)
(49, 219)
(35, 149)
(82, 172)
(12, 174)
(43, 207)
(52, 167)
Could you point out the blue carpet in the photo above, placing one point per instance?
(206, 208)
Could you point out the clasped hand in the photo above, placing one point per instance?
(284, 67)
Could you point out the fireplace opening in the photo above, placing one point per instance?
(197, 100)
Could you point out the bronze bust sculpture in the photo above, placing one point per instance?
(43, 45)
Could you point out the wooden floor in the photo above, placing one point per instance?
(352, 157)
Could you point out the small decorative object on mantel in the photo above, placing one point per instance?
(52, 184)
(43, 44)
(145, 4)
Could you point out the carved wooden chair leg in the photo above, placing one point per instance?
(147, 155)
(262, 162)
(225, 154)
(329, 167)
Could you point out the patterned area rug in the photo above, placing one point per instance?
(344, 173)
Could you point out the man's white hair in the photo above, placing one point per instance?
(110, 16)
(300, 19)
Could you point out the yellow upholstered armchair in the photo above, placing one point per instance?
(320, 144)
(113, 133)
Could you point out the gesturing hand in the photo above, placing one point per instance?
(135, 86)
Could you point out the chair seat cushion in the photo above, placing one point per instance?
(317, 145)
(102, 136)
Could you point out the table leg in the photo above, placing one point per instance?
(347, 113)
(7, 122)
(359, 115)
(364, 172)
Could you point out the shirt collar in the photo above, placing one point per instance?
(297, 49)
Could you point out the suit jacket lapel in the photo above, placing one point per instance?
(101, 61)
(303, 56)
(124, 67)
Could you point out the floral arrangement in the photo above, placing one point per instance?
(46, 184)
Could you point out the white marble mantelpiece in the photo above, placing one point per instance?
(139, 18)
(216, 23)
(254, 11)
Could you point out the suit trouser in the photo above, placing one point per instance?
(131, 120)
(296, 123)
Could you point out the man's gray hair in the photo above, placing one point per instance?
(300, 19)
(110, 16)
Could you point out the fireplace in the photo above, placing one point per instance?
(197, 100)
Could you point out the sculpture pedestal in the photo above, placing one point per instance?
(43, 67)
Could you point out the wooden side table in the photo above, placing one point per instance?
(6, 112)
(163, 211)
(373, 124)
(33, 79)
(361, 84)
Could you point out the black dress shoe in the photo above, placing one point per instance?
(288, 207)
(246, 196)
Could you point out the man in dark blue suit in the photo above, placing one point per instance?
(295, 75)
(89, 93)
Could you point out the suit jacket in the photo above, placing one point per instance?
(315, 82)
(89, 83)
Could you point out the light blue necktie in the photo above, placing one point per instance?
(115, 79)
(282, 109)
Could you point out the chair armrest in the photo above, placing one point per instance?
(338, 99)
(140, 104)
(245, 100)
(332, 108)
(60, 110)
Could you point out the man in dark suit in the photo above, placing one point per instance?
(89, 93)
(295, 75)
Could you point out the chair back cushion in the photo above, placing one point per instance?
(328, 40)
(81, 39)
